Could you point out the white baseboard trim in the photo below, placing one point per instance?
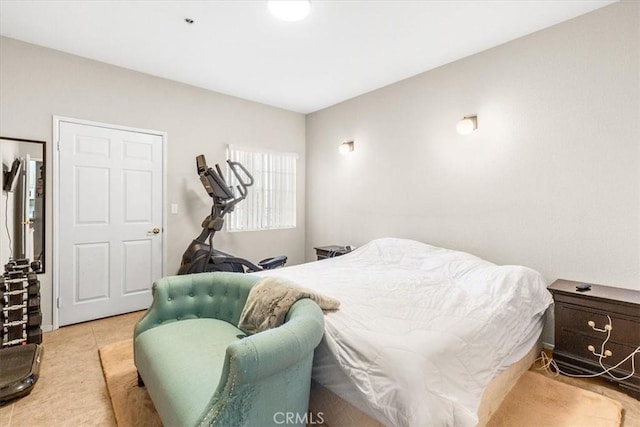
(547, 346)
(46, 328)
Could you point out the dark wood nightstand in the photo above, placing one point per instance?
(331, 251)
(582, 325)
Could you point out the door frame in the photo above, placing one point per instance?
(57, 120)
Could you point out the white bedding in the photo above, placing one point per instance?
(422, 330)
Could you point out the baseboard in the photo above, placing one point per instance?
(46, 328)
(547, 346)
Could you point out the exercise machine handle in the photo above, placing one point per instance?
(234, 166)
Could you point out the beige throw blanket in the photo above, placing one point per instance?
(270, 300)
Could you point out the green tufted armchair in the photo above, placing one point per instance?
(200, 369)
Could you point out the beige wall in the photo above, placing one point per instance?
(550, 180)
(37, 83)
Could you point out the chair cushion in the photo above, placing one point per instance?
(193, 349)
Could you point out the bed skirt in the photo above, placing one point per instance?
(336, 411)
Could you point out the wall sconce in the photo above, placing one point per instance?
(467, 125)
(345, 148)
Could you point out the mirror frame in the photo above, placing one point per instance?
(44, 194)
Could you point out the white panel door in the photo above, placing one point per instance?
(110, 221)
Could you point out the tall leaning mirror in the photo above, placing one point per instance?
(22, 205)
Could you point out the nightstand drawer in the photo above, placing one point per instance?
(576, 319)
(323, 252)
(578, 346)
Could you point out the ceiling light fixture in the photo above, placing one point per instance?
(467, 125)
(290, 10)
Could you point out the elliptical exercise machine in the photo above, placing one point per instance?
(201, 256)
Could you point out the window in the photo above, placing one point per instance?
(271, 200)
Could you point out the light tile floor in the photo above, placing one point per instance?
(71, 390)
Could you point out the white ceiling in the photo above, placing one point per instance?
(341, 50)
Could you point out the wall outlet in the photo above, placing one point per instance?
(174, 208)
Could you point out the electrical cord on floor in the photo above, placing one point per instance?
(551, 367)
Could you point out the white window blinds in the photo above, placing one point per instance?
(271, 201)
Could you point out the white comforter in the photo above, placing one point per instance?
(422, 330)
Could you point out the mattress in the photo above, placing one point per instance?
(336, 411)
(327, 372)
(421, 330)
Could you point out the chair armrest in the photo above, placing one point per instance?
(264, 359)
(266, 353)
(217, 295)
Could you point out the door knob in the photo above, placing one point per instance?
(155, 230)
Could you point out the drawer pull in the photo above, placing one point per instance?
(607, 353)
(607, 327)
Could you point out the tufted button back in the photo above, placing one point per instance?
(217, 295)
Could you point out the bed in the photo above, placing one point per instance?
(421, 333)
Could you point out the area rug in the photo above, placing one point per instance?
(534, 401)
(537, 400)
(132, 405)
